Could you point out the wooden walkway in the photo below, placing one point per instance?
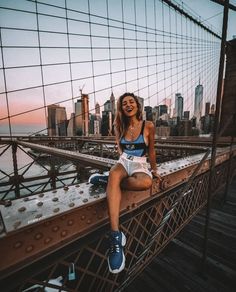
(178, 267)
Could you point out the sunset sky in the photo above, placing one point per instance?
(29, 91)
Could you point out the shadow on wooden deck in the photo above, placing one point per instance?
(178, 267)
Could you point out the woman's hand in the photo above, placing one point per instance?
(156, 175)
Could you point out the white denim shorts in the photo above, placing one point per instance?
(133, 164)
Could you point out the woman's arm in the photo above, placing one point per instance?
(151, 149)
(118, 143)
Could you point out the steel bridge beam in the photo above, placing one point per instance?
(36, 226)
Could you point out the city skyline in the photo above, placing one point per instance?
(103, 54)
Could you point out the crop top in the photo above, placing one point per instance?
(137, 147)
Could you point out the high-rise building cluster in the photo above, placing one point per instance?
(84, 123)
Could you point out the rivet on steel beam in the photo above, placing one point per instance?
(134, 205)
(55, 199)
(64, 233)
(88, 221)
(100, 216)
(47, 240)
(18, 244)
(82, 217)
(63, 217)
(55, 228)
(38, 215)
(41, 195)
(94, 212)
(21, 209)
(38, 236)
(97, 196)
(71, 205)
(26, 199)
(47, 223)
(70, 222)
(85, 200)
(56, 210)
(89, 208)
(81, 192)
(77, 186)
(128, 207)
(39, 204)
(17, 224)
(29, 248)
(54, 191)
(66, 188)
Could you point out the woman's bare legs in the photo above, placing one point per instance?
(116, 175)
(118, 178)
(139, 181)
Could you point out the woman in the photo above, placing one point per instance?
(135, 139)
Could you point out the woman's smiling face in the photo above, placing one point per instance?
(129, 106)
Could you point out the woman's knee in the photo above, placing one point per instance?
(116, 174)
(144, 181)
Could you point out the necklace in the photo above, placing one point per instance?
(132, 130)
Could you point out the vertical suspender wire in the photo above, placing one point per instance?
(156, 51)
(109, 44)
(69, 56)
(171, 61)
(187, 55)
(163, 43)
(124, 43)
(177, 63)
(147, 52)
(136, 40)
(41, 64)
(91, 54)
(191, 59)
(215, 134)
(5, 85)
(182, 60)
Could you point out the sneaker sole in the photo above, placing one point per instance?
(123, 243)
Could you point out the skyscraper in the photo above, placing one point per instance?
(207, 108)
(57, 121)
(113, 105)
(85, 114)
(179, 104)
(78, 118)
(82, 116)
(97, 109)
(198, 104)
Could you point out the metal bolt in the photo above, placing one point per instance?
(22, 209)
(18, 244)
(55, 228)
(29, 248)
(56, 210)
(47, 240)
(38, 215)
(38, 236)
(40, 204)
(64, 233)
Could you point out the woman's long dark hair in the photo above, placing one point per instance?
(121, 121)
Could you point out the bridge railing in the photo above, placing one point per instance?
(26, 171)
(68, 227)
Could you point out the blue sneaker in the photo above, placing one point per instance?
(116, 257)
(99, 178)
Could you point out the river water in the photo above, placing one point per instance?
(28, 168)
